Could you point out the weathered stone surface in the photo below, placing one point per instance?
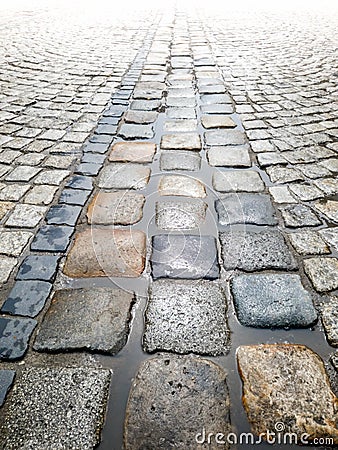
(13, 192)
(180, 215)
(323, 272)
(116, 208)
(98, 252)
(330, 320)
(308, 243)
(124, 176)
(184, 141)
(38, 267)
(287, 383)
(270, 159)
(41, 195)
(272, 301)
(331, 236)
(209, 99)
(74, 196)
(14, 337)
(7, 264)
(59, 408)
(237, 181)
(181, 113)
(95, 319)
(12, 243)
(26, 216)
(329, 208)
(328, 185)
(149, 105)
(52, 238)
(80, 182)
(5, 207)
(6, 381)
(140, 152)
(283, 175)
(224, 137)
(180, 160)
(182, 186)
(256, 250)
(229, 156)
(253, 209)
(136, 131)
(170, 403)
(27, 298)
(63, 215)
(305, 192)
(217, 121)
(178, 318)
(217, 109)
(184, 256)
(281, 194)
(141, 117)
(183, 125)
(299, 216)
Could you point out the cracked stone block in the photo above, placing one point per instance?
(5, 207)
(94, 319)
(305, 192)
(124, 176)
(116, 208)
(272, 301)
(141, 117)
(299, 216)
(224, 137)
(283, 175)
(26, 216)
(323, 272)
(184, 141)
(98, 252)
(256, 250)
(308, 243)
(237, 181)
(27, 298)
(184, 256)
(331, 236)
(217, 121)
(180, 185)
(177, 318)
(7, 264)
(136, 131)
(229, 156)
(51, 238)
(281, 194)
(6, 381)
(14, 337)
(329, 208)
(38, 267)
(56, 408)
(41, 195)
(63, 215)
(170, 403)
(180, 160)
(180, 215)
(287, 383)
(140, 152)
(74, 196)
(330, 320)
(255, 209)
(12, 243)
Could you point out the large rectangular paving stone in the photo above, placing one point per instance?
(256, 250)
(92, 319)
(99, 252)
(229, 156)
(186, 317)
(116, 208)
(323, 273)
(124, 176)
(287, 384)
(183, 141)
(180, 185)
(224, 137)
(56, 408)
(237, 181)
(141, 152)
(180, 160)
(14, 337)
(136, 131)
(172, 399)
(272, 301)
(255, 209)
(180, 215)
(184, 256)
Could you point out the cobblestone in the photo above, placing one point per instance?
(15, 334)
(237, 181)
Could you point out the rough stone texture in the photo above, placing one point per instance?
(256, 250)
(12, 243)
(224, 137)
(106, 253)
(287, 383)
(27, 298)
(52, 238)
(136, 131)
(255, 209)
(124, 176)
(63, 215)
(330, 320)
(60, 408)
(178, 318)
(323, 272)
(14, 337)
(170, 403)
(180, 215)
(26, 216)
(329, 208)
(180, 125)
(186, 141)
(141, 152)
(272, 301)
(6, 381)
(305, 192)
(229, 156)
(217, 121)
(283, 175)
(237, 181)
(184, 256)
(5, 207)
(308, 243)
(180, 160)
(281, 194)
(299, 216)
(140, 117)
(38, 267)
(86, 319)
(116, 208)
(331, 236)
(182, 186)
(7, 264)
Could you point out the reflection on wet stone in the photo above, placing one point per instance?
(14, 337)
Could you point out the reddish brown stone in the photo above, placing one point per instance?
(140, 152)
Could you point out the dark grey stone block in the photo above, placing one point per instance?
(14, 337)
(80, 182)
(38, 267)
(74, 196)
(52, 238)
(63, 215)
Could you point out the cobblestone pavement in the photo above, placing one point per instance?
(169, 229)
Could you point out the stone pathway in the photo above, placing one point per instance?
(168, 234)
